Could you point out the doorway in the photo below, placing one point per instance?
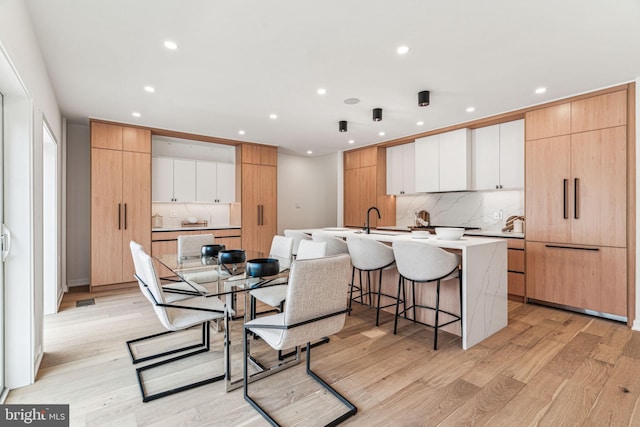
(5, 249)
(51, 255)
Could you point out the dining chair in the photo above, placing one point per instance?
(316, 308)
(423, 263)
(191, 245)
(297, 236)
(174, 316)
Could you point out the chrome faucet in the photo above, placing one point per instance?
(367, 229)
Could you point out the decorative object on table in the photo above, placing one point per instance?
(211, 251)
(157, 221)
(420, 234)
(192, 219)
(518, 226)
(509, 223)
(262, 267)
(186, 223)
(449, 233)
(232, 257)
(421, 219)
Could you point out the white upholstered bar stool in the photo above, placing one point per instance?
(335, 245)
(423, 263)
(369, 256)
(297, 236)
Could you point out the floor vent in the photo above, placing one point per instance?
(85, 302)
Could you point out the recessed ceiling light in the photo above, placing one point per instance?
(402, 50)
(241, 132)
(420, 123)
(541, 90)
(381, 133)
(322, 91)
(273, 116)
(170, 45)
(135, 114)
(309, 152)
(471, 109)
(150, 89)
(351, 101)
(351, 141)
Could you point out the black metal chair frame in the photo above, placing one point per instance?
(436, 325)
(201, 347)
(360, 299)
(352, 410)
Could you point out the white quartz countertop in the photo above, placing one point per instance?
(485, 233)
(208, 227)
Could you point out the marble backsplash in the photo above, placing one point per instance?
(215, 214)
(470, 209)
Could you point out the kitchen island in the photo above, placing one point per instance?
(484, 281)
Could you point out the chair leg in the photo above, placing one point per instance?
(353, 275)
(435, 328)
(413, 301)
(379, 294)
(395, 322)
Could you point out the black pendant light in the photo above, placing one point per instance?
(342, 125)
(423, 98)
(377, 114)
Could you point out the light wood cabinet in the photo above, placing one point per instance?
(498, 156)
(516, 269)
(443, 162)
(259, 197)
(401, 175)
(576, 204)
(120, 201)
(365, 183)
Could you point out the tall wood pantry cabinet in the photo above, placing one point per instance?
(576, 203)
(365, 185)
(259, 197)
(120, 200)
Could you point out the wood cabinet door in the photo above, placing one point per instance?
(106, 217)
(136, 139)
(548, 122)
(593, 277)
(359, 195)
(162, 179)
(598, 171)
(136, 199)
(599, 112)
(269, 207)
(106, 136)
(547, 205)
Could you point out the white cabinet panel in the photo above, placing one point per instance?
(401, 169)
(162, 179)
(206, 181)
(226, 183)
(442, 162)
(184, 180)
(498, 156)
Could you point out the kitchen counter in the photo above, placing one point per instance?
(208, 227)
(480, 232)
(484, 278)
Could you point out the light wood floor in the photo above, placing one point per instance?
(548, 367)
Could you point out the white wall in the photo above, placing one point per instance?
(30, 99)
(78, 204)
(307, 191)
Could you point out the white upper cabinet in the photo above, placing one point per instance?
(498, 156)
(442, 162)
(401, 177)
(215, 182)
(173, 180)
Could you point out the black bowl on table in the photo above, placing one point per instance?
(232, 256)
(211, 251)
(261, 267)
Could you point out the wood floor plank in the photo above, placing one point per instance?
(567, 360)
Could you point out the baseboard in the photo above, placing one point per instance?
(78, 282)
(636, 325)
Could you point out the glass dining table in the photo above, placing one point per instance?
(227, 282)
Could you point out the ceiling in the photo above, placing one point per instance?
(237, 62)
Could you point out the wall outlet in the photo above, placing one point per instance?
(173, 214)
(497, 214)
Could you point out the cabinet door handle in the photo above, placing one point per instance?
(125, 216)
(577, 248)
(565, 202)
(119, 216)
(259, 215)
(576, 182)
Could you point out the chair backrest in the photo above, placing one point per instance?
(150, 278)
(335, 245)
(368, 254)
(316, 287)
(309, 249)
(136, 249)
(191, 245)
(297, 236)
(281, 247)
(423, 262)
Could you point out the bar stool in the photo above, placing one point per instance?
(423, 263)
(335, 245)
(368, 256)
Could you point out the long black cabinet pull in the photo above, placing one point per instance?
(576, 182)
(565, 202)
(577, 248)
(119, 216)
(125, 216)
(258, 214)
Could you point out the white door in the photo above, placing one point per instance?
(51, 258)
(4, 248)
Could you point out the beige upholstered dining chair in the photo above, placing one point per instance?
(174, 315)
(190, 245)
(316, 308)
